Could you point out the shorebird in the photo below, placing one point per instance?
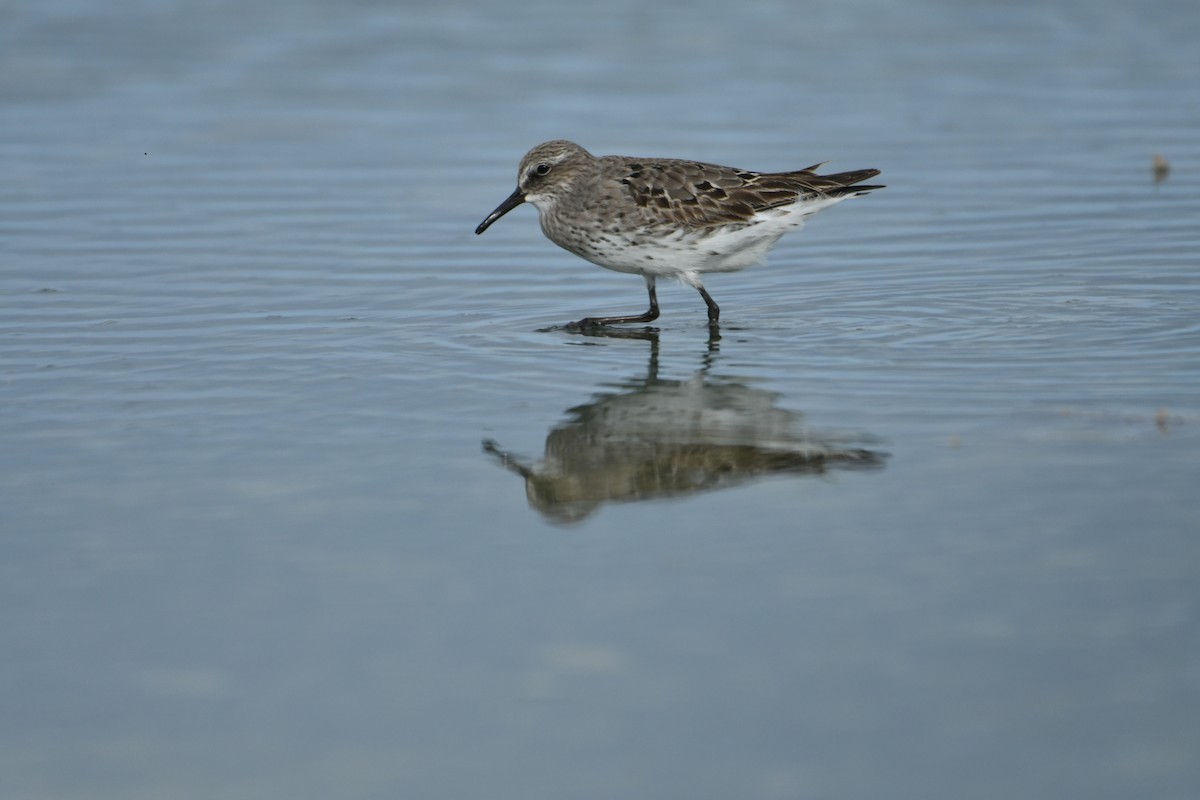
(667, 217)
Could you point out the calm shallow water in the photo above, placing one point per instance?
(299, 502)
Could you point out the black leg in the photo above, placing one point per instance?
(714, 310)
(650, 315)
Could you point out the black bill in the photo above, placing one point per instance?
(515, 199)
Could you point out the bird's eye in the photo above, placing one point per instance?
(542, 169)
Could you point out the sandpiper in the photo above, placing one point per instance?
(666, 217)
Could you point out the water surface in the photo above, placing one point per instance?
(301, 501)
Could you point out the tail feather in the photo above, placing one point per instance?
(856, 190)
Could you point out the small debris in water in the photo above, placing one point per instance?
(1162, 168)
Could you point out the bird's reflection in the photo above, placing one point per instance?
(652, 438)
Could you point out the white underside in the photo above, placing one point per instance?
(688, 254)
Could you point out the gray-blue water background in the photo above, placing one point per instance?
(921, 523)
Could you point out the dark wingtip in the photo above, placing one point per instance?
(854, 176)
